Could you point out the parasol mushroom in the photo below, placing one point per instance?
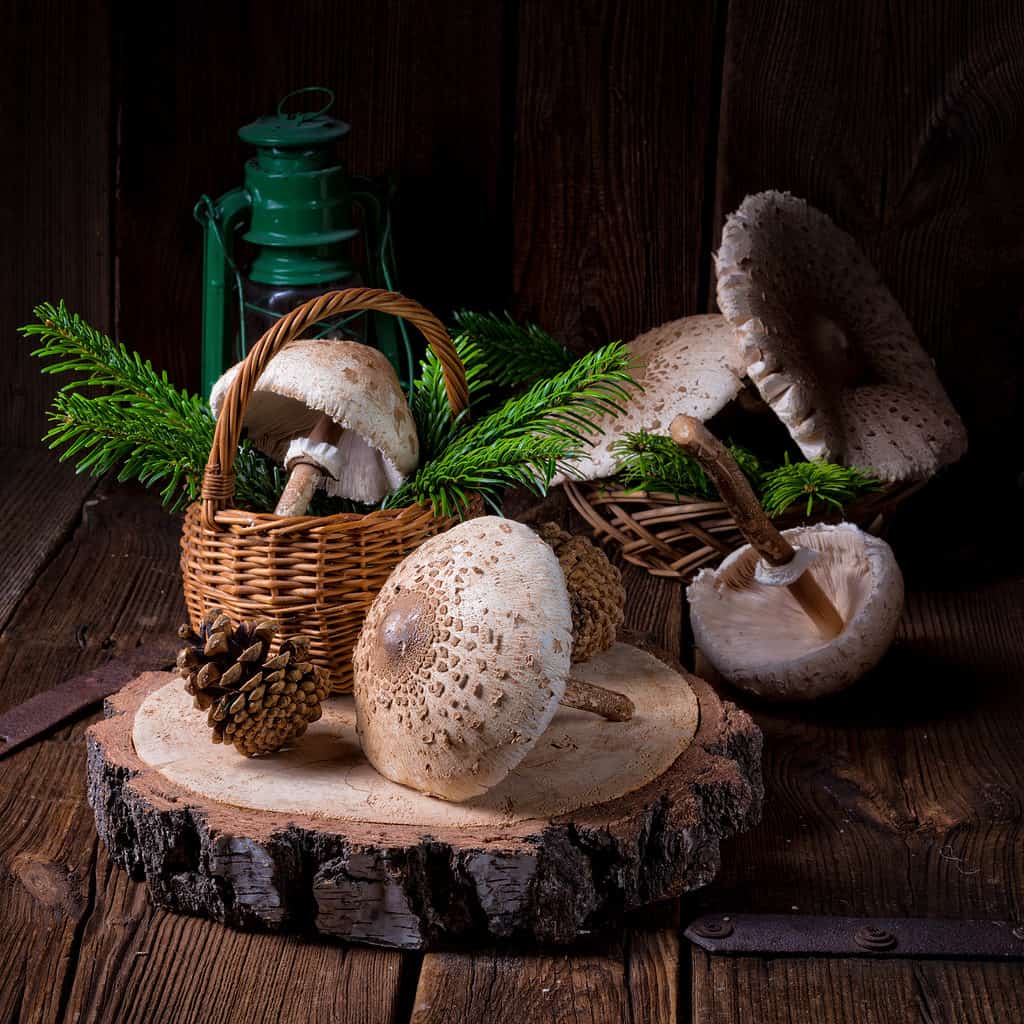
(793, 615)
(333, 413)
(465, 656)
(828, 346)
(691, 365)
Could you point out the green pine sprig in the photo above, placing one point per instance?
(515, 354)
(652, 462)
(817, 481)
(117, 412)
(525, 440)
(435, 424)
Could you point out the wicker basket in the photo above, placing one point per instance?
(314, 575)
(677, 537)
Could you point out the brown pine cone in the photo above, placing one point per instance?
(255, 702)
(596, 595)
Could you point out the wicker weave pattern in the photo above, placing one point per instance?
(677, 537)
(312, 575)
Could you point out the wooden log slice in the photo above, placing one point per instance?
(598, 819)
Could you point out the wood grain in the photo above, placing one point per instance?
(632, 977)
(903, 123)
(139, 964)
(903, 795)
(47, 848)
(422, 91)
(365, 863)
(612, 130)
(98, 595)
(40, 502)
(79, 941)
(729, 990)
(55, 181)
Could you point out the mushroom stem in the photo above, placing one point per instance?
(760, 532)
(298, 491)
(616, 707)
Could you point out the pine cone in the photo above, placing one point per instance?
(596, 595)
(257, 704)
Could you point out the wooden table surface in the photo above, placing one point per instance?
(902, 798)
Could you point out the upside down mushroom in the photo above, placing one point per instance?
(332, 412)
(794, 615)
(464, 658)
(828, 346)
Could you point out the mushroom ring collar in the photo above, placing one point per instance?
(792, 615)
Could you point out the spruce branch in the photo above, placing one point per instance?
(138, 422)
(435, 424)
(515, 354)
(834, 485)
(526, 439)
(652, 462)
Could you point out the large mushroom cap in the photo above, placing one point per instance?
(463, 658)
(692, 366)
(357, 388)
(828, 346)
(760, 639)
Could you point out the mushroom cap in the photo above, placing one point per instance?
(357, 388)
(828, 346)
(692, 366)
(759, 638)
(463, 658)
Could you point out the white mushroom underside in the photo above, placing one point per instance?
(760, 639)
(365, 473)
(828, 346)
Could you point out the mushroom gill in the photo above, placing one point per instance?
(828, 346)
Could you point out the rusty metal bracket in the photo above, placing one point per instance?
(885, 937)
(26, 722)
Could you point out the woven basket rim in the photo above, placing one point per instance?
(675, 535)
(239, 520)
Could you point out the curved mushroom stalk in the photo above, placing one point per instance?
(845, 615)
(782, 564)
(307, 462)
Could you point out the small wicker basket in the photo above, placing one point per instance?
(676, 537)
(315, 575)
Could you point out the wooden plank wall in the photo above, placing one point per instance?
(569, 161)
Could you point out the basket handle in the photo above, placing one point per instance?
(218, 489)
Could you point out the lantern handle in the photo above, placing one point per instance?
(307, 115)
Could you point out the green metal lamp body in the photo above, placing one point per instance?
(295, 212)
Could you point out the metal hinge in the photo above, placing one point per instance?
(809, 935)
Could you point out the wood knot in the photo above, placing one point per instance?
(49, 884)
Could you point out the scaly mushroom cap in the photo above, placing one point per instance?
(758, 637)
(463, 658)
(690, 366)
(358, 389)
(828, 346)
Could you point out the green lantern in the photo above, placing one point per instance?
(295, 217)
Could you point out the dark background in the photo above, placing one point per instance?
(569, 161)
